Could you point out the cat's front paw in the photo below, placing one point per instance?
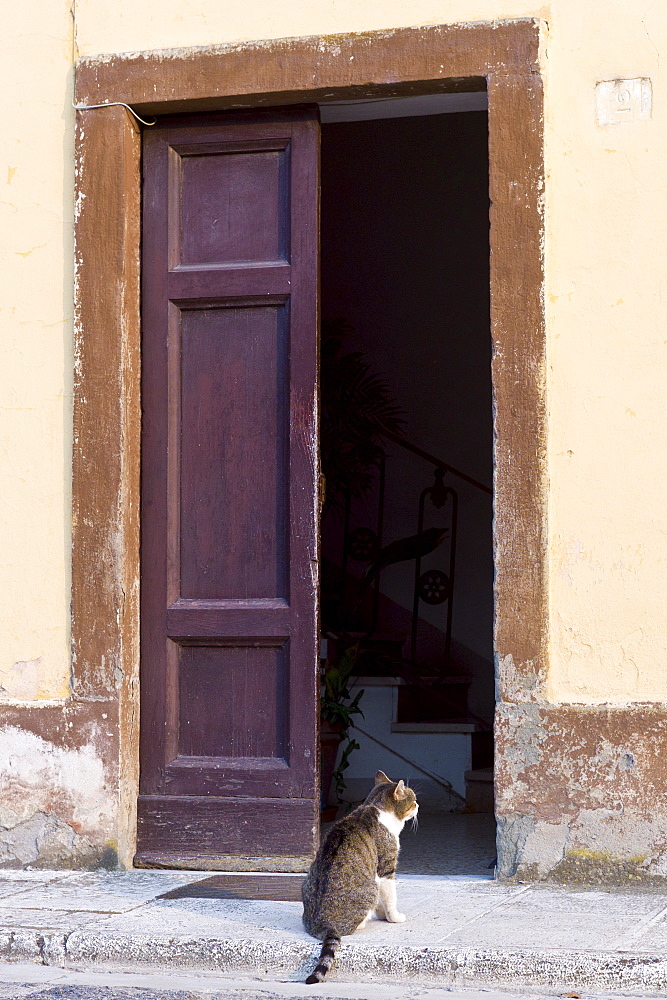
(397, 918)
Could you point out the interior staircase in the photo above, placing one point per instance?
(416, 677)
(410, 707)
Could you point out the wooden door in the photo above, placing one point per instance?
(229, 681)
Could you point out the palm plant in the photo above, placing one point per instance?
(357, 412)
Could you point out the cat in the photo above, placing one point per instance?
(352, 875)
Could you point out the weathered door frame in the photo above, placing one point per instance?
(502, 56)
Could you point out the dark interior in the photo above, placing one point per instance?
(405, 268)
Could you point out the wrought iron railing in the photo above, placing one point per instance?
(433, 587)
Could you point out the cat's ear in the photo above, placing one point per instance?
(399, 791)
(382, 779)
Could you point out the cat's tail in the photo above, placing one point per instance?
(330, 946)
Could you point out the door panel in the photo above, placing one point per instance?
(235, 411)
(234, 205)
(220, 824)
(229, 491)
(257, 727)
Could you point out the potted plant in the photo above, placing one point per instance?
(357, 413)
(336, 710)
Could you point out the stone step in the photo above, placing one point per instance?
(461, 931)
(479, 790)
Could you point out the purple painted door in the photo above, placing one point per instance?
(229, 683)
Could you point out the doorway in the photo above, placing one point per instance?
(406, 345)
(229, 538)
(106, 494)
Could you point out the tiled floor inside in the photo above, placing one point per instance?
(448, 844)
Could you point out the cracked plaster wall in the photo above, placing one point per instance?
(57, 801)
(580, 792)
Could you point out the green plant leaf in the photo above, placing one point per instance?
(357, 411)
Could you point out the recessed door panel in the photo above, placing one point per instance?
(233, 702)
(234, 203)
(233, 437)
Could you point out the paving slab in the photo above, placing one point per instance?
(113, 892)
(460, 932)
(535, 930)
(14, 882)
(654, 942)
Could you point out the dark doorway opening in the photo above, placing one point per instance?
(405, 288)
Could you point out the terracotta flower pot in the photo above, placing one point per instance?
(330, 739)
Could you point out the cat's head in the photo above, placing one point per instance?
(393, 796)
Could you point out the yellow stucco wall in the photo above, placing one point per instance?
(606, 260)
(35, 349)
(607, 352)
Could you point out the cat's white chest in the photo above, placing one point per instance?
(391, 822)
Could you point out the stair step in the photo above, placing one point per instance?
(481, 774)
(437, 702)
(383, 637)
(455, 726)
(458, 679)
(371, 680)
(479, 790)
(391, 680)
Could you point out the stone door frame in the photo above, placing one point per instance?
(501, 57)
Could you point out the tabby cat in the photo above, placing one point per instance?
(353, 874)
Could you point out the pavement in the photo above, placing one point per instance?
(464, 932)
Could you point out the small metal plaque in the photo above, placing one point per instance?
(282, 888)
